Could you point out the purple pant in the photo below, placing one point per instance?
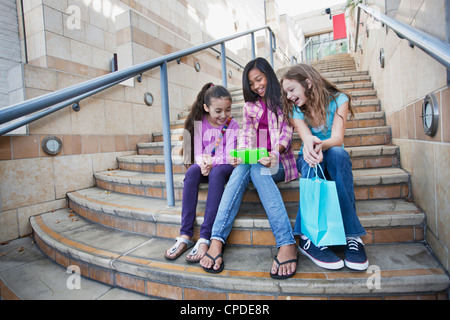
(217, 179)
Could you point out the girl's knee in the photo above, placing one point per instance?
(194, 172)
(338, 154)
(220, 173)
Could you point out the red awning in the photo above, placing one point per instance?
(339, 27)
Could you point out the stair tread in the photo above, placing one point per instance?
(405, 268)
(377, 150)
(372, 213)
(30, 275)
(377, 176)
(348, 132)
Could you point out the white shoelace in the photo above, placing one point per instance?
(353, 243)
(308, 244)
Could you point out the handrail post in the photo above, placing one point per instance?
(271, 48)
(224, 64)
(253, 47)
(166, 134)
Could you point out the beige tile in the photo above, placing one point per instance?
(53, 20)
(445, 116)
(90, 144)
(26, 182)
(72, 145)
(72, 173)
(5, 148)
(24, 214)
(9, 229)
(58, 46)
(25, 147)
(40, 78)
(443, 193)
(90, 119)
(423, 180)
(34, 20)
(118, 116)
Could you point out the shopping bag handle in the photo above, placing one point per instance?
(315, 169)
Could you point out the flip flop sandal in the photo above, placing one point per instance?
(212, 270)
(277, 276)
(179, 241)
(194, 251)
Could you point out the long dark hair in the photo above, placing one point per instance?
(273, 90)
(197, 112)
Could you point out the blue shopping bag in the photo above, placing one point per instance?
(321, 218)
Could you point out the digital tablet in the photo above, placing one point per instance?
(251, 155)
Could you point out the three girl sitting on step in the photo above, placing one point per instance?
(267, 123)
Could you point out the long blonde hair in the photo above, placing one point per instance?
(319, 96)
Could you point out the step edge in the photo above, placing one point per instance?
(430, 283)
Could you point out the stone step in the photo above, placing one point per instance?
(361, 120)
(361, 157)
(136, 263)
(370, 184)
(26, 273)
(384, 220)
(370, 136)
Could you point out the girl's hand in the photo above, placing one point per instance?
(234, 161)
(269, 161)
(206, 166)
(312, 150)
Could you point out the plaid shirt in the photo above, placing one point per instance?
(252, 113)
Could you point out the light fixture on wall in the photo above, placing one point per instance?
(430, 115)
(382, 58)
(328, 11)
(197, 66)
(148, 99)
(51, 145)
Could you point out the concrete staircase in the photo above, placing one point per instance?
(117, 232)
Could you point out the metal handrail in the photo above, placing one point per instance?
(436, 48)
(57, 100)
(24, 108)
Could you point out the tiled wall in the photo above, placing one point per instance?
(408, 76)
(71, 41)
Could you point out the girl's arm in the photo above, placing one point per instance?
(198, 143)
(248, 132)
(312, 146)
(338, 128)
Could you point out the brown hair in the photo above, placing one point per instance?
(197, 112)
(319, 96)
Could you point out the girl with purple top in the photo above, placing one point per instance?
(263, 125)
(214, 133)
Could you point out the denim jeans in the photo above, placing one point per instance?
(337, 167)
(217, 179)
(265, 184)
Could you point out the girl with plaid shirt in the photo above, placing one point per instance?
(263, 126)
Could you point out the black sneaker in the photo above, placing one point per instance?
(355, 255)
(321, 256)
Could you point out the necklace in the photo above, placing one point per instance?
(222, 132)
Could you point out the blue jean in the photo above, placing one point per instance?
(337, 167)
(217, 179)
(265, 184)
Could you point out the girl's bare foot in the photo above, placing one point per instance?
(214, 250)
(285, 253)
